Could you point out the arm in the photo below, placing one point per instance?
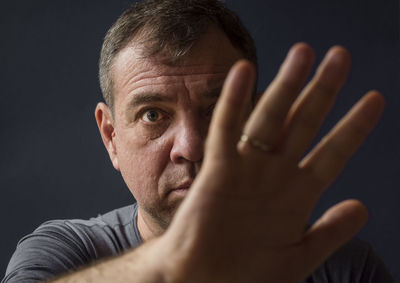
(70, 251)
(271, 191)
(268, 192)
(139, 265)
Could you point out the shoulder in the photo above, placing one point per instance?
(356, 261)
(121, 217)
(60, 245)
(114, 231)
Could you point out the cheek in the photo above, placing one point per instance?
(142, 162)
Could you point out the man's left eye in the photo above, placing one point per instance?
(152, 116)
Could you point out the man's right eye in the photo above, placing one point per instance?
(152, 116)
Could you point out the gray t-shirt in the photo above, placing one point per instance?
(63, 245)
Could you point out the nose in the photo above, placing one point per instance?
(188, 143)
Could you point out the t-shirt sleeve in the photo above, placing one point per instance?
(61, 246)
(374, 270)
(52, 249)
(355, 262)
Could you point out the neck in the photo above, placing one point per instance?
(147, 227)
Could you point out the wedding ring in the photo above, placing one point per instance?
(256, 143)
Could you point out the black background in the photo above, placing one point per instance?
(53, 163)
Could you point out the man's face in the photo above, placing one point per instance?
(162, 114)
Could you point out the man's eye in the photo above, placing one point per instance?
(152, 116)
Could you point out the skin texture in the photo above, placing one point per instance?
(244, 217)
(270, 195)
(157, 157)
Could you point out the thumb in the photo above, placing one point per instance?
(333, 229)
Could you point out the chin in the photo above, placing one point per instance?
(163, 215)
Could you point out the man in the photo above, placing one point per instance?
(223, 189)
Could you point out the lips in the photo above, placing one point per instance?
(183, 188)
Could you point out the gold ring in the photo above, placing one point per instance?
(256, 143)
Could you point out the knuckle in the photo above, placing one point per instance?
(275, 116)
(308, 122)
(338, 151)
(288, 86)
(324, 89)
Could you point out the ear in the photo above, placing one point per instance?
(105, 123)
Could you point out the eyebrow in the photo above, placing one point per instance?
(148, 97)
(142, 98)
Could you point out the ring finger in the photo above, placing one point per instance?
(265, 124)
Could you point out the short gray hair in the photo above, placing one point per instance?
(169, 27)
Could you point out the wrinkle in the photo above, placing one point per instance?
(143, 77)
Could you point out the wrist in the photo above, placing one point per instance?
(150, 259)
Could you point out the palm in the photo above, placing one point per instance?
(248, 209)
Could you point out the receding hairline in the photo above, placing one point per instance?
(172, 26)
(136, 43)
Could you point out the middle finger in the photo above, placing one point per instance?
(315, 101)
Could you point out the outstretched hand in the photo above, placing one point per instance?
(245, 217)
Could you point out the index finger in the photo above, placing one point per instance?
(230, 111)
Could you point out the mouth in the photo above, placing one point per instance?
(182, 190)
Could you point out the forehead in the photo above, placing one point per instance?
(206, 63)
